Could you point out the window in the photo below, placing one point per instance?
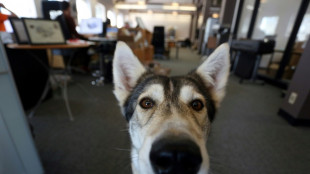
(269, 25)
(100, 11)
(303, 33)
(112, 17)
(120, 20)
(24, 8)
(83, 10)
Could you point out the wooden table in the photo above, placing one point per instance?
(49, 47)
(62, 46)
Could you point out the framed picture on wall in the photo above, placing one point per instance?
(19, 30)
(44, 31)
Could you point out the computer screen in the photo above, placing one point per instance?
(91, 26)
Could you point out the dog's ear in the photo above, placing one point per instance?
(126, 71)
(215, 70)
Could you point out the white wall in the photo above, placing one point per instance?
(180, 22)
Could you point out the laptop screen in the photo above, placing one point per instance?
(91, 26)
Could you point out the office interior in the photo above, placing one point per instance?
(58, 113)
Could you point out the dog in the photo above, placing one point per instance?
(169, 117)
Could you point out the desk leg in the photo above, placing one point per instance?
(46, 88)
(44, 94)
(64, 88)
(65, 96)
(100, 80)
(63, 84)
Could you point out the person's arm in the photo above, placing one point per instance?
(3, 17)
(71, 26)
(12, 13)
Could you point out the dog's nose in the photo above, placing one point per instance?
(175, 156)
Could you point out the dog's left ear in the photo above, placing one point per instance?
(215, 71)
(127, 69)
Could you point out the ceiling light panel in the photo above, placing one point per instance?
(131, 1)
(170, 1)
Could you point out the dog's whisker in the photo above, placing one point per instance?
(120, 149)
(124, 130)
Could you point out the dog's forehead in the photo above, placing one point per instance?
(170, 86)
(154, 91)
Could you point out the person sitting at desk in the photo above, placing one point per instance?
(70, 22)
(4, 17)
(81, 59)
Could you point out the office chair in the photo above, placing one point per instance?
(158, 41)
(64, 26)
(48, 6)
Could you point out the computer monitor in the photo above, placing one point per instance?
(104, 29)
(91, 26)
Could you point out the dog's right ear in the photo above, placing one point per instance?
(127, 69)
(215, 70)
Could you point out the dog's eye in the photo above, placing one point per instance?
(197, 105)
(146, 103)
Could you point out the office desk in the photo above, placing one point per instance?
(49, 69)
(63, 46)
(76, 45)
(105, 46)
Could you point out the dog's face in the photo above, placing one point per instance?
(169, 117)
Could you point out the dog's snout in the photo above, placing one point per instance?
(172, 155)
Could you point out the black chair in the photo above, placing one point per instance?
(64, 26)
(48, 6)
(158, 41)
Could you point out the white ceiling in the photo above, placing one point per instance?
(162, 1)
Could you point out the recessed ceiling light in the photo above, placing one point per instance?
(175, 4)
(215, 15)
(141, 2)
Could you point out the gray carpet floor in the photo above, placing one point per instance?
(248, 137)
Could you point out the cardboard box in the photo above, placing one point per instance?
(139, 40)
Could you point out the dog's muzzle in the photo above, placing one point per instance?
(171, 155)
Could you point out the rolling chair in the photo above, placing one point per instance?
(158, 41)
